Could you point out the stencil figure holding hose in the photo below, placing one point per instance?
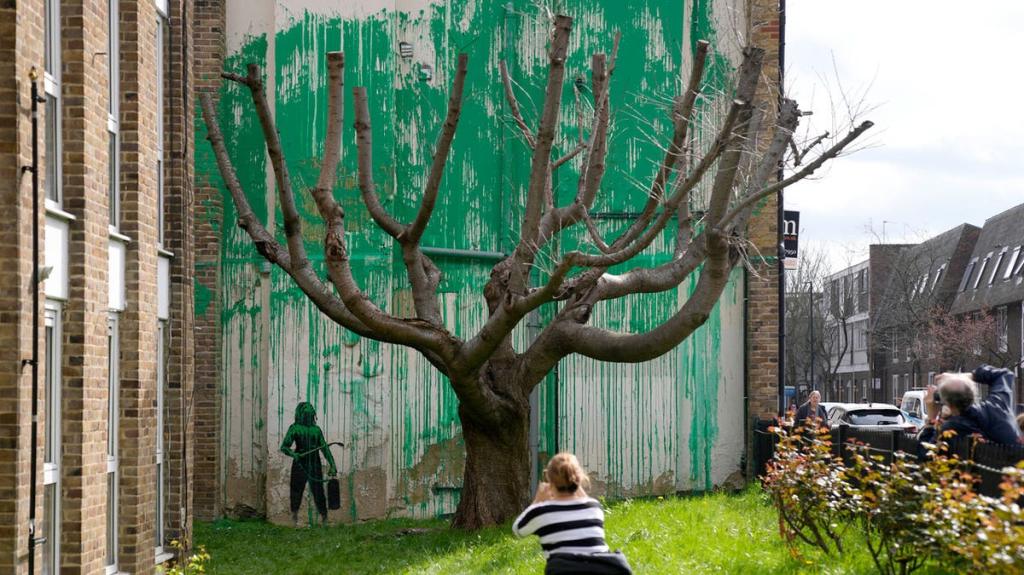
(308, 440)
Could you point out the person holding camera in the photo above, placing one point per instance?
(992, 419)
(569, 523)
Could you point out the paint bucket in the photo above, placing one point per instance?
(333, 494)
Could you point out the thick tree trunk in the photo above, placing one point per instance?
(496, 485)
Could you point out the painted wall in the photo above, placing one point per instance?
(671, 424)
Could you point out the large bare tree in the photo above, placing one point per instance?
(491, 379)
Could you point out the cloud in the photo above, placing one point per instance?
(947, 138)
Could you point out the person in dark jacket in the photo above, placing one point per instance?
(812, 410)
(992, 419)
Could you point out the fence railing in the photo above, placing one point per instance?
(987, 460)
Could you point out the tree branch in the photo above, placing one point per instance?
(807, 170)
(541, 162)
(265, 243)
(364, 144)
(444, 145)
(292, 221)
(682, 116)
(513, 105)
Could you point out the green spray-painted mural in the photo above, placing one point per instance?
(654, 427)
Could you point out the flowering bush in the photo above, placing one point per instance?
(807, 485)
(911, 511)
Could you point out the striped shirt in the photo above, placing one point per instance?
(564, 526)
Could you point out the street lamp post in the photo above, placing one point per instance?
(810, 332)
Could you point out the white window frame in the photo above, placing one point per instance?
(981, 270)
(52, 90)
(938, 275)
(113, 428)
(161, 25)
(967, 275)
(161, 485)
(1013, 261)
(995, 268)
(113, 113)
(52, 438)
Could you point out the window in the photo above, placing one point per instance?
(995, 268)
(981, 270)
(161, 483)
(113, 125)
(967, 275)
(896, 386)
(1009, 265)
(1002, 336)
(113, 412)
(161, 30)
(894, 344)
(52, 91)
(51, 441)
(938, 275)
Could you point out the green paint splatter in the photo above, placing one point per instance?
(371, 394)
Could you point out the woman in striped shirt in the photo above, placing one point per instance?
(569, 523)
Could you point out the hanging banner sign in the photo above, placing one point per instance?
(790, 234)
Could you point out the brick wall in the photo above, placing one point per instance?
(178, 147)
(84, 362)
(16, 58)
(209, 56)
(84, 348)
(138, 322)
(763, 283)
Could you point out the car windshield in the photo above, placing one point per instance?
(874, 417)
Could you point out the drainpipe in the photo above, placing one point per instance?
(460, 253)
(779, 223)
(34, 361)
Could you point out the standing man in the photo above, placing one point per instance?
(812, 410)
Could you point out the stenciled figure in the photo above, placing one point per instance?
(309, 441)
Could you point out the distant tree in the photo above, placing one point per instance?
(490, 378)
(817, 333)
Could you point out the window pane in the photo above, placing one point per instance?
(158, 530)
(112, 392)
(111, 519)
(49, 529)
(113, 192)
(114, 55)
(48, 21)
(52, 179)
(160, 202)
(50, 392)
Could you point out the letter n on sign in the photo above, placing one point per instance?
(790, 234)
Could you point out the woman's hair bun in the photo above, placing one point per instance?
(565, 473)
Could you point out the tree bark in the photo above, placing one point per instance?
(496, 484)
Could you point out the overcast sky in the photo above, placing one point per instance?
(943, 83)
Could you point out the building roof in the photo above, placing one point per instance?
(995, 273)
(925, 276)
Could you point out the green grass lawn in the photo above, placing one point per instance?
(716, 533)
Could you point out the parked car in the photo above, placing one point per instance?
(869, 416)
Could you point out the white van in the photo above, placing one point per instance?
(913, 403)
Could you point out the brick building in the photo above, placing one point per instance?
(922, 284)
(105, 217)
(993, 283)
(852, 298)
